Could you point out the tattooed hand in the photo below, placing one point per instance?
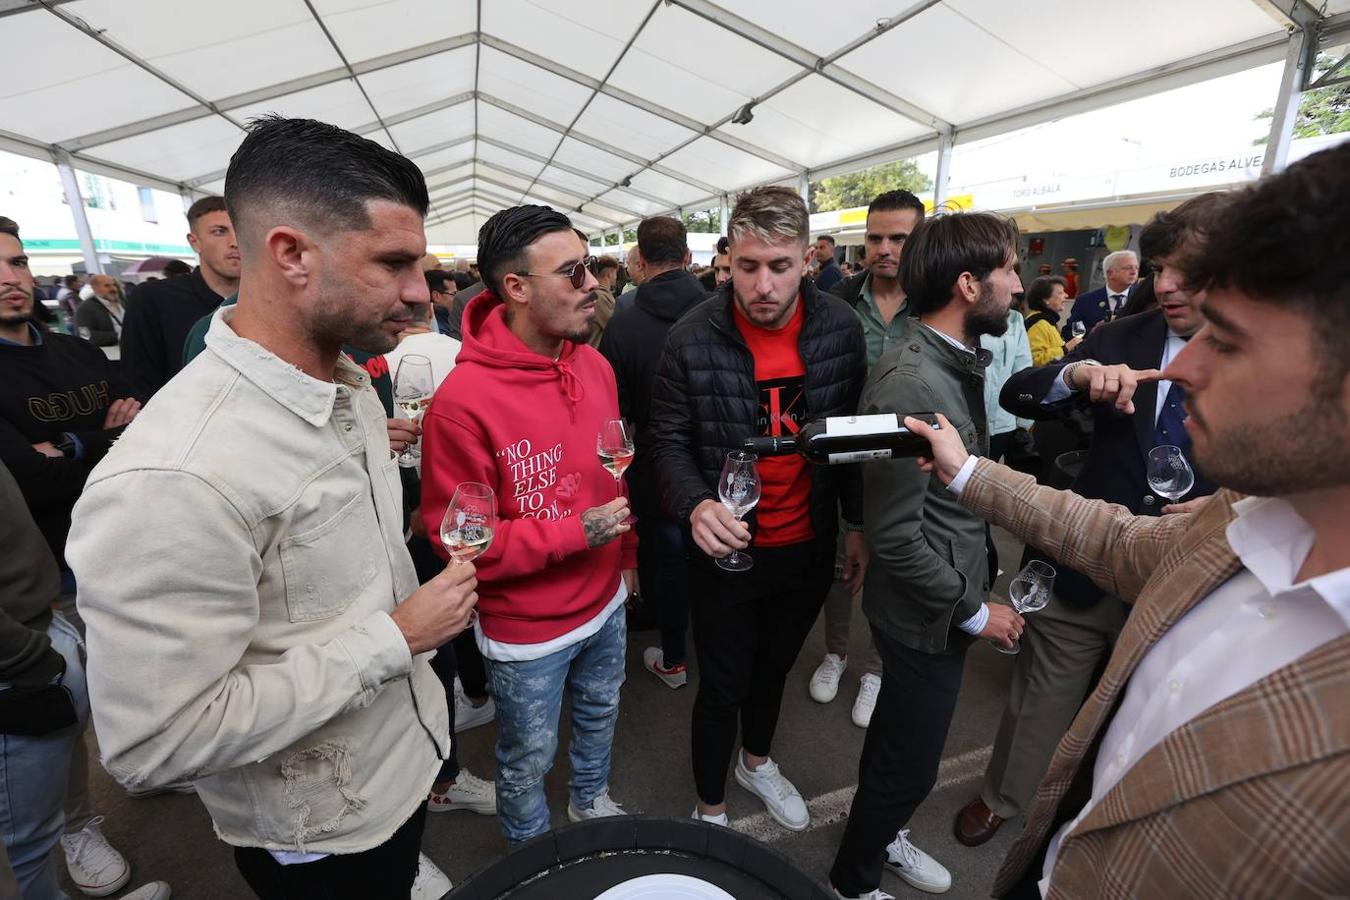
(604, 523)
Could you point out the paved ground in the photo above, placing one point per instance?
(170, 837)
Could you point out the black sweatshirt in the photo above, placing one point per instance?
(62, 386)
(159, 316)
(29, 583)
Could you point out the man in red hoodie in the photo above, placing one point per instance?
(520, 412)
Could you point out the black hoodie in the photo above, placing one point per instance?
(632, 343)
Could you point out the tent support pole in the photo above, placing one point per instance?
(944, 166)
(1297, 62)
(71, 186)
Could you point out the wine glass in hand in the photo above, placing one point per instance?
(1079, 329)
(738, 489)
(413, 387)
(1169, 474)
(1029, 591)
(614, 447)
(470, 522)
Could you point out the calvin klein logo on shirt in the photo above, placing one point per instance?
(782, 406)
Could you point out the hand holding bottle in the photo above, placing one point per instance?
(947, 454)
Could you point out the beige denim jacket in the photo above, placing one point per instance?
(238, 554)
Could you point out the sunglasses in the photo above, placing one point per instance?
(576, 274)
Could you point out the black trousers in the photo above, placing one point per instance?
(900, 757)
(386, 872)
(748, 629)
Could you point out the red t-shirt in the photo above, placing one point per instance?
(784, 511)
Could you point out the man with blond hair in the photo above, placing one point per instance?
(752, 360)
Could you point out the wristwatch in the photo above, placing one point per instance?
(66, 445)
(1068, 371)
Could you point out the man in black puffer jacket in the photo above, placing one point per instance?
(763, 355)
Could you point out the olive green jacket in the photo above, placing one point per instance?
(929, 565)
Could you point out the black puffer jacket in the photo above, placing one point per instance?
(704, 403)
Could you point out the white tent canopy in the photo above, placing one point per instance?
(611, 110)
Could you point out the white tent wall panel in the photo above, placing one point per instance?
(180, 152)
(1210, 24)
(506, 178)
(430, 162)
(493, 155)
(435, 128)
(636, 130)
(821, 34)
(922, 61)
(658, 185)
(339, 103)
(586, 187)
(222, 49)
(710, 159)
(514, 130)
(628, 201)
(48, 96)
(696, 68)
(608, 213)
(587, 37)
(604, 166)
(528, 86)
(412, 84)
(362, 28)
(815, 121)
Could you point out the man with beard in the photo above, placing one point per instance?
(262, 635)
(1211, 760)
(759, 357)
(1066, 642)
(928, 579)
(520, 413)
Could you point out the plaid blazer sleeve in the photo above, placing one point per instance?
(1111, 545)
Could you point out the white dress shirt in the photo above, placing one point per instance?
(1253, 624)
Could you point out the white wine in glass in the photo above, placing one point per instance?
(413, 387)
(738, 489)
(614, 448)
(469, 522)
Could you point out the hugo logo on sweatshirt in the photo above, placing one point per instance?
(532, 473)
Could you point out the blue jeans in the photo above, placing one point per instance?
(529, 700)
(33, 777)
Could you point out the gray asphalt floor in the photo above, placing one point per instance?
(169, 837)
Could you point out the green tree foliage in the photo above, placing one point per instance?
(1323, 111)
(858, 188)
(704, 221)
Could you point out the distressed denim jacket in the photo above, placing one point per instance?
(238, 554)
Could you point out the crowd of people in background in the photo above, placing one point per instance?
(1180, 700)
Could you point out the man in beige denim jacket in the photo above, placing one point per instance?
(255, 624)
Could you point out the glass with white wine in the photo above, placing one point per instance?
(469, 522)
(414, 386)
(614, 448)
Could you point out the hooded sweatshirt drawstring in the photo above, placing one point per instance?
(571, 386)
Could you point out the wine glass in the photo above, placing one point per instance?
(1169, 474)
(738, 489)
(469, 522)
(1079, 328)
(614, 447)
(1029, 591)
(413, 387)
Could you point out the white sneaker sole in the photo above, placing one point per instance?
(479, 808)
(829, 699)
(745, 782)
(927, 887)
(105, 889)
(674, 682)
(475, 718)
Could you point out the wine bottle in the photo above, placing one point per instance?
(836, 440)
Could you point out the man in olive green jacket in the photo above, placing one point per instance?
(928, 577)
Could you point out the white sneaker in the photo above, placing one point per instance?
(868, 688)
(96, 868)
(431, 882)
(878, 894)
(155, 890)
(917, 867)
(654, 660)
(469, 716)
(600, 807)
(825, 680)
(468, 792)
(780, 798)
(719, 819)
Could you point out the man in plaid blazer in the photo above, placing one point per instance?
(1213, 758)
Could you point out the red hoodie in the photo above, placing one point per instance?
(526, 425)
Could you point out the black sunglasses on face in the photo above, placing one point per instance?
(576, 274)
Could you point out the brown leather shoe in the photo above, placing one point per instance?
(976, 823)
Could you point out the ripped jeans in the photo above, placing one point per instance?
(529, 700)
